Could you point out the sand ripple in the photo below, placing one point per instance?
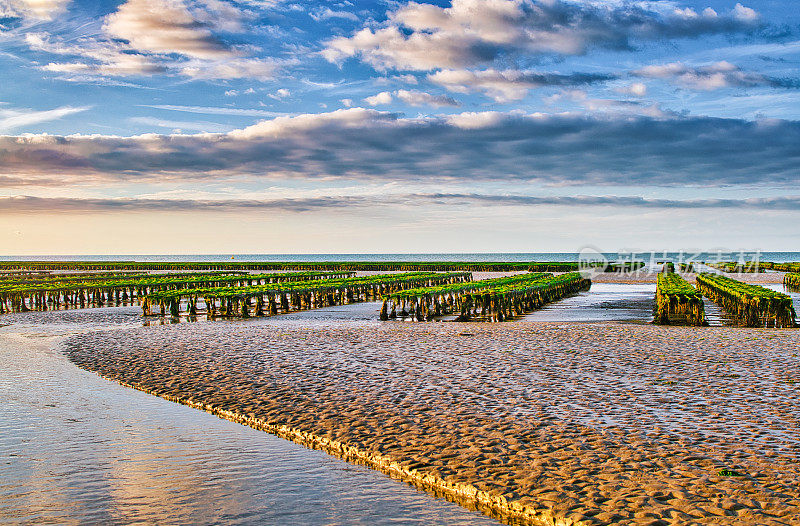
(577, 423)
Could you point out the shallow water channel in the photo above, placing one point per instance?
(629, 302)
(77, 449)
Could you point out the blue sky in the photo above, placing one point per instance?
(496, 125)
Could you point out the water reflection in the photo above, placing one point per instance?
(631, 302)
(77, 449)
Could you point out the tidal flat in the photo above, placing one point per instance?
(76, 449)
(565, 423)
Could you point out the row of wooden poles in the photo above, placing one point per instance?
(277, 301)
(430, 266)
(76, 299)
(88, 296)
(756, 266)
(679, 309)
(751, 311)
(481, 305)
(61, 279)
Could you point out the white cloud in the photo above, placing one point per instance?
(607, 106)
(408, 79)
(745, 13)
(109, 56)
(179, 126)
(280, 94)
(252, 68)
(508, 85)
(420, 98)
(146, 37)
(636, 89)
(382, 98)
(72, 67)
(236, 92)
(471, 33)
(36, 9)
(11, 119)
(211, 110)
(572, 95)
(327, 13)
(711, 77)
(475, 120)
(347, 103)
(168, 26)
(410, 97)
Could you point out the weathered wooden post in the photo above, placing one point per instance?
(146, 307)
(174, 308)
(192, 306)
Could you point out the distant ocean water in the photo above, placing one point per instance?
(777, 257)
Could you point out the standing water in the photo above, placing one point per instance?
(632, 302)
(78, 449)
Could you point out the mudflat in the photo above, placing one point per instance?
(575, 423)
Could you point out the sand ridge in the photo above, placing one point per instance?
(557, 423)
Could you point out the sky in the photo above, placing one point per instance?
(269, 126)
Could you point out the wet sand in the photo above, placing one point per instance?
(565, 423)
(76, 449)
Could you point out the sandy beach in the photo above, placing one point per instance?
(575, 423)
(76, 449)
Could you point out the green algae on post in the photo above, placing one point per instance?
(751, 305)
(293, 296)
(677, 302)
(567, 266)
(755, 267)
(72, 292)
(491, 299)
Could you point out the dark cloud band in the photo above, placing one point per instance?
(29, 204)
(363, 144)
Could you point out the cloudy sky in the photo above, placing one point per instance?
(267, 126)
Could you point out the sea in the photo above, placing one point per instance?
(647, 256)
